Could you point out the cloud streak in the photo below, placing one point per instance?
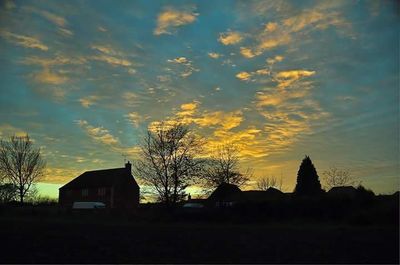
(24, 41)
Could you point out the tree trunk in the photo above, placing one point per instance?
(21, 196)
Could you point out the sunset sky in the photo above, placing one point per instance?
(281, 79)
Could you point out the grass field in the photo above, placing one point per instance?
(88, 239)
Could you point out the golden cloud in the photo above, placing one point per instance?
(247, 141)
(105, 49)
(289, 110)
(243, 76)
(89, 101)
(181, 60)
(187, 109)
(294, 74)
(189, 106)
(111, 56)
(248, 53)
(263, 72)
(49, 77)
(271, 26)
(59, 175)
(230, 38)
(130, 99)
(171, 18)
(58, 20)
(112, 60)
(224, 125)
(317, 18)
(274, 60)
(285, 31)
(188, 68)
(134, 118)
(287, 78)
(57, 60)
(7, 130)
(25, 41)
(269, 42)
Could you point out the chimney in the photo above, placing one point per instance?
(128, 166)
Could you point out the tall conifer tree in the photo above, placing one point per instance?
(307, 179)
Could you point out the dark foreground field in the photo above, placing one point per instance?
(76, 239)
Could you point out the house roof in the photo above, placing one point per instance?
(260, 195)
(342, 189)
(99, 178)
(224, 191)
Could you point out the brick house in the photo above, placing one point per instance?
(115, 187)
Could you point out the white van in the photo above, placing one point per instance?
(88, 205)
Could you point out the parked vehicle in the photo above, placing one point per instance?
(88, 205)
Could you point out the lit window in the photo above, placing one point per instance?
(85, 192)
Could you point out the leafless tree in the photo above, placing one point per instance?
(335, 177)
(223, 166)
(8, 192)
(269, 182)
(20, 163)
(168, 161)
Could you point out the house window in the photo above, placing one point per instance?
(85, 192)
(101, 191)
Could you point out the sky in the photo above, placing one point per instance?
(279, 79)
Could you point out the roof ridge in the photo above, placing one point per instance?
(105, 169)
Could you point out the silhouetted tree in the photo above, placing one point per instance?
(335, 177)
(8, 192)
(168, 161)
(364, 194)
(307, 179)
(268, 182)
(20, 163)
(223, 167)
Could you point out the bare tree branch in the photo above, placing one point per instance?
(335, 177)
(168, 161)
(223, 166)
(20, 163)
